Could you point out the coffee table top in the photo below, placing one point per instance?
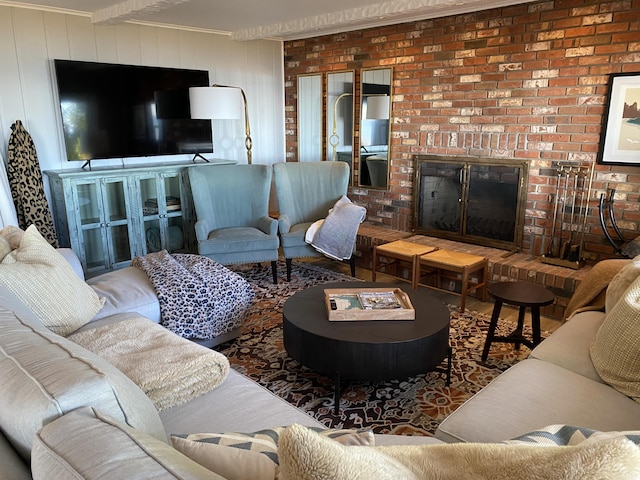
(307, 311)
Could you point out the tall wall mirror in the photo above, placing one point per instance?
(340, 111)
(375, 109)
(310, 118)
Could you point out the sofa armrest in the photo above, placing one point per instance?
(268, 225)
(71, 257)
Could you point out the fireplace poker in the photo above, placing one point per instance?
(573, 248)
(555, 214)
(563, 243)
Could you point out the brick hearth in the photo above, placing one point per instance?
(503, 265)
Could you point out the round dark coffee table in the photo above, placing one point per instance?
(366, 350)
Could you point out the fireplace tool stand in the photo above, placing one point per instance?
(570, 206)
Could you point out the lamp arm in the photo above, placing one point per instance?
(334, 139)
(248, 142)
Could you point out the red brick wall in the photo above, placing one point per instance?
(528, 81)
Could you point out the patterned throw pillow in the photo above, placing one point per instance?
(568, 435)
(620, 282)
(251, 455)
(48, 285)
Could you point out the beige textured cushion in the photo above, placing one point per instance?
(304, 455)
(615, 350)
(239, 456)
(48, 285)
(13, 235)
(620, 282)
(44, 376)
(90, 445)
(5, 247)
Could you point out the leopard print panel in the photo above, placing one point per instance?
(27, 188)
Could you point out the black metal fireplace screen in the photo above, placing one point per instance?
(474, 200)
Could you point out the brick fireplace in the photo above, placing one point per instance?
(523, 82)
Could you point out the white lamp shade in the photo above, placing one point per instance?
(216, 103)
(377, 107)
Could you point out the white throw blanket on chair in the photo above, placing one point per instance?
(335, 235)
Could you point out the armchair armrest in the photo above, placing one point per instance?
(268, 225)
(202, 229)
(284, 224)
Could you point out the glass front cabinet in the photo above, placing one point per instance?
(110, 216)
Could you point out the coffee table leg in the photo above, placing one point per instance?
(336, 394)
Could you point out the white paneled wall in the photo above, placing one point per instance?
(31, 39)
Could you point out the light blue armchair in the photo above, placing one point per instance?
(305, 192)
(232, 212)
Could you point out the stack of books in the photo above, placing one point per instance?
(151, 205)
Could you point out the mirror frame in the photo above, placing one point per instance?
(380, 181)
(340, 127)
(309, 117)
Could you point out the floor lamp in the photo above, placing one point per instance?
(221, 102)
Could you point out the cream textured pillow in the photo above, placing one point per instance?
(48, 285)
(615, 350)
(304, 455)
(13, 235)
(620, 282)
(5, 247)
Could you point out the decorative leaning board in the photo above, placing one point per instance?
(353, 304)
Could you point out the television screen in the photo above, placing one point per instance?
(118, 111)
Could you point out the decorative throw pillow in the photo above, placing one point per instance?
(615, 350)
(13, 235)
(252, 455)
(569, 435)
(48, 285)
(5, 247)
(620, 282)
(304, 455)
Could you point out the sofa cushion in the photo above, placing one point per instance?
(126, 290)
(238, 456)
(308, 456)
(615, 350)
(43, 376)
(569, 345)
(49, 286)
(12, 466)
(88, 444)
(532, 394)
(621, 282)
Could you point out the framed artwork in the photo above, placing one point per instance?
(621, 140)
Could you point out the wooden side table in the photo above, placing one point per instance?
(524, 295)
(398, 251)
(455, 266)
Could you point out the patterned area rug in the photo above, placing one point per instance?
(410, 406)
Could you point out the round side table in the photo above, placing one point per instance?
(524, 295)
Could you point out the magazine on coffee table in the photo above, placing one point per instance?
(351, 304)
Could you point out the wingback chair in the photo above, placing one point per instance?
(232, 214)
(305, 192)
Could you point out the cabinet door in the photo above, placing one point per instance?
(103, 216)
(161, 200)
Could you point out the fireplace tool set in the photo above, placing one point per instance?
(622, 247)
(570, 206)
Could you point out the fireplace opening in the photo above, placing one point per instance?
(474, 200)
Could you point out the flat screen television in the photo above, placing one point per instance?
(121, 111)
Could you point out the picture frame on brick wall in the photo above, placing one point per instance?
(621, 135)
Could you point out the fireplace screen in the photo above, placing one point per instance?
(472, 200)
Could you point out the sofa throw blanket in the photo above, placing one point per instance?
(335, 235)
(168, 369)
(198, 297)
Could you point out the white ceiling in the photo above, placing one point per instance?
(255, 19)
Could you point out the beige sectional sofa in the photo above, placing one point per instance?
(88, 420)
(558, 383)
